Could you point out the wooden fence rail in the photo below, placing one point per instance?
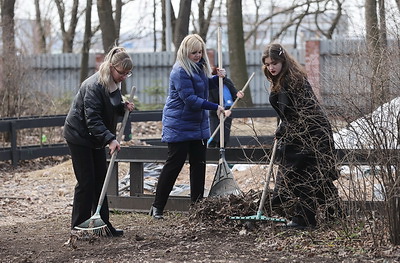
(137, 156)
(16, 152)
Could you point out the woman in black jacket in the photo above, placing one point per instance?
(306, 147)
(90, 126)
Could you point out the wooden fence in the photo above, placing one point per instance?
(136, 156)
(15, 152)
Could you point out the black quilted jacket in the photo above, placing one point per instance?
(93, 116)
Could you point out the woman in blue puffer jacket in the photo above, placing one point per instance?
(186, 121)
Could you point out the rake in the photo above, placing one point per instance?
(223, 183)
(259, 216)
(95, 223)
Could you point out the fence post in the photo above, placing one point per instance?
(312, 61)
(14, 150)
(128, 131)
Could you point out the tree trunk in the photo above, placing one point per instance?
(164, 23)
(375, 49)
(84, 72)
(237, 55)
(182, 22)
(164, 26)
(154, 26)
(118, 17)
(107, 26)
(40, 28)
(9, 79)
(204, 21)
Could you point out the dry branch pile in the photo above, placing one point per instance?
(217, 210)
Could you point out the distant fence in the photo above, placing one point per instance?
(58, 74)
(333, 66)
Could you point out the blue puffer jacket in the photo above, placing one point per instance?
(185, 114)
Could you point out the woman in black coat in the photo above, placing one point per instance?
(90, 126)
(306, 147)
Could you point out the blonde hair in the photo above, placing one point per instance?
(292, 72)
(117, 56)
(189, 44)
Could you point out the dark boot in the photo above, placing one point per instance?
(156, 213)
(299, 223)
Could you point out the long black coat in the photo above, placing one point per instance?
(305, 130)
(307, 157)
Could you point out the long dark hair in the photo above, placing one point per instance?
(292, 72)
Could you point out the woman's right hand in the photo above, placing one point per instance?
(129, 106)
(114, 146)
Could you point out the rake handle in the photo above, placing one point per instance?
(269, 174)
(114, 155)
(233, 105)
(221, 89)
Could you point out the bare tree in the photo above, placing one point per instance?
(68, 35)
(376, 46)
(204, 20)
(84, 72)
(382, 23)
(256, 33)
(179, 24)
(41, 28)
(154, 26)
(335, 21)
(237, 55)
(164, 23)
(118, 16)
(110, 27)
(296, 14)
(379, 81)
(181, 28)
(107, 24)
(10, 90)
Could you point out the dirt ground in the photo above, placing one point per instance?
(35, 208)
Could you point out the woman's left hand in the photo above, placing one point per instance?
(240, 94)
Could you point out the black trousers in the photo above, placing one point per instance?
(177, 154)
(90, 169)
